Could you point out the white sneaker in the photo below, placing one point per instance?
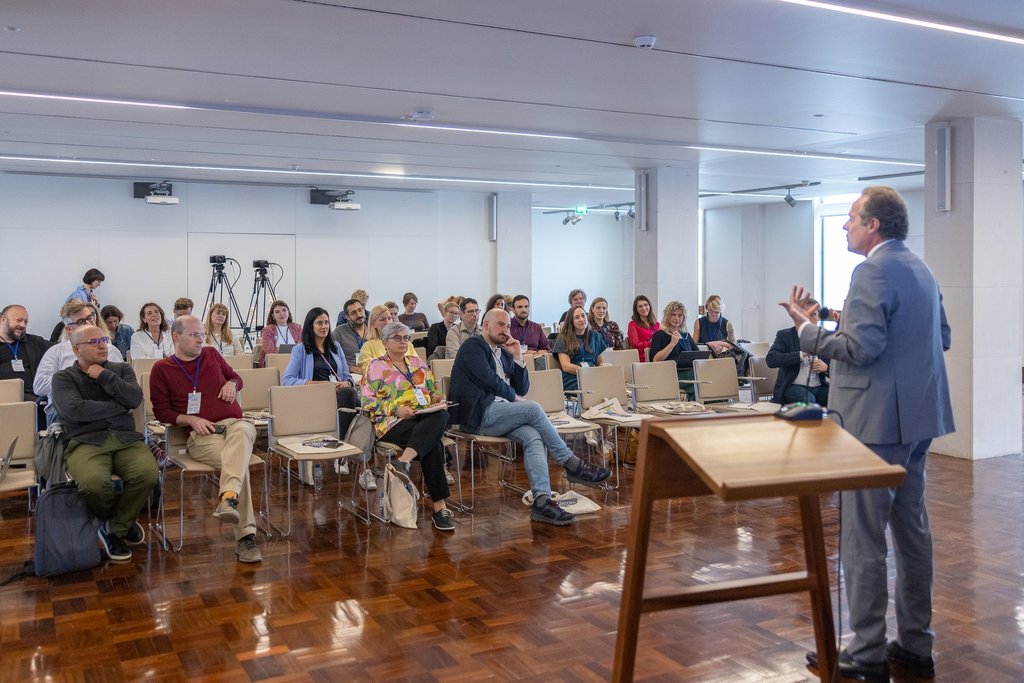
(368, 481)
(341, 466)
(449, 477)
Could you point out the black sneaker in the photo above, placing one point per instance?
(136, 534)
(444, 520)
(113, 545)
(918, 665)
(550, 513)
(588, 475)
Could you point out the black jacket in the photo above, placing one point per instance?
(785, 355)
(31, 349)
(475, 382)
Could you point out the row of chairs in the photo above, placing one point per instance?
(17, 439)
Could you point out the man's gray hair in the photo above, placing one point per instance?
(394, 328)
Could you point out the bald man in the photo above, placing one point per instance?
(94, 398)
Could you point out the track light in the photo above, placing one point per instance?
(789, 199)
(632, 212)
(568, 217)
(618, 216)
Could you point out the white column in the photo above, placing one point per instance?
(514, 269)
(975, 250)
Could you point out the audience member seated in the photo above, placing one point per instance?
(21, 352)
(74, 314)
(94, 399)
(642, 325)
(393, 308)
(152, 340)
(577, 346)
(396, 389)
(86, 291)
(466, 327)
(218, 332)
(496, 301)
(577, 297)
(802, 376)
(712, 329)
(195, 388)
(359, 295)
(417, 322)
(182, 306)
(280, 329)
(671, 340)
(599, 322)
(529, 334)
(373, 347)
(488, 385)
(318, 358)
(437, 335)
(351, 334)
(120, 332)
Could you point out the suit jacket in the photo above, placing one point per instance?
(888, 374)
(475, 382)
(785, 355)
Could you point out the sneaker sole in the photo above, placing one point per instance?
(227, 517)
(106, 549)
(586, 482)
(249, 560)
(552, 522)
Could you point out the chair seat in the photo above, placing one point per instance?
(284, 448)
(459, 434)
(18, 479)
(577, 430)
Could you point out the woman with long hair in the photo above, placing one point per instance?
(374, 346)
(600, 323)
(218, 332)
(152, 339)
(577, 346)
(642, 326)
(397, 392)
(279, 329)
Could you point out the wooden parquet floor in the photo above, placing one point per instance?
(501, 599)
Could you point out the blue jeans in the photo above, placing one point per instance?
(526, 423)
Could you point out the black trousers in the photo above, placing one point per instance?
(423, 434)
(347, 398)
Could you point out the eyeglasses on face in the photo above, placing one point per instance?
(87, 320)
(400, 338)
(194, 335)
(95, 341)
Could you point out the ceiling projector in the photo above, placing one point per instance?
(341, 205)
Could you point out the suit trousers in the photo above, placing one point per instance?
(865, 515)
(91, 466)
(230, 452)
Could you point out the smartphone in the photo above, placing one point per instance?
(219, 429)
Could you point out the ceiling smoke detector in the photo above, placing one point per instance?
(644, 42)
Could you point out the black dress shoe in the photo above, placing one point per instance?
(922, 667)
(870, 673)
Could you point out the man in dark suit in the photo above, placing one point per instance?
(802, 377)
(889, 384)
(488, 383)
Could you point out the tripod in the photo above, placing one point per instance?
(261, 285)
(218, 284)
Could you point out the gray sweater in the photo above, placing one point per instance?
(91, 408)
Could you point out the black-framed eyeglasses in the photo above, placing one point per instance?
(400, 337)
(87, 320)
(95, 341)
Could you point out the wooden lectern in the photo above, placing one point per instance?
(743, 457)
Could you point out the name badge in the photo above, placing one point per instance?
(18, 365)
(334, 378)
(420, 398)
(194, 399)
(584, 364)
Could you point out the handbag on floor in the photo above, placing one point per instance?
(398, 499)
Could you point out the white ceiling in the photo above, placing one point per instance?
(318, 87)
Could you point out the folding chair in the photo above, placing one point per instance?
(622, 359)
(12, 390)
(759, 348)
(763, 385)
(17, 446)
(141, 365)
(297, 414)
(441, 369)
(254, 397)
(279, 361)
(718, 386)
(599, 384)
(242, 361)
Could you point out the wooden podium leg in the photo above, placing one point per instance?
(633, 586)
(821, 596)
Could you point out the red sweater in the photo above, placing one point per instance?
(170, 386)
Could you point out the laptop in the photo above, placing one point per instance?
(686, 358)
(285, 348)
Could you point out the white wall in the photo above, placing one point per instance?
(53, 229)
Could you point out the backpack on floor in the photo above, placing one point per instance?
(65, 532)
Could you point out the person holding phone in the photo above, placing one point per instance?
(671, 340)
(408, 409)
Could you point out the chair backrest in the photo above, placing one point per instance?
(256, 383)
(762, 387)
(12, 390)
(441, 367)
(303, 409)
(759, 348)
(18, 420)
(242, 361)
(621, 359)
(147, 397)
(600, 383)
(720, 373)
(421, 351)
(141, 365)
(279, 361)
(660, 378)
(546, 389)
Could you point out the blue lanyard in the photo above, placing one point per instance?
(157, 341)
(194, 380)
(407, 373)
(14, 349)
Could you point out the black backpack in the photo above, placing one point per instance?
(65, 532)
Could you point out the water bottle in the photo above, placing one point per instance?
(318, 477)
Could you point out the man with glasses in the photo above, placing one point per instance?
(75, 314)
(20, 352)
(464, 329)
(95, 399)
(196, 389)
(351, 334)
